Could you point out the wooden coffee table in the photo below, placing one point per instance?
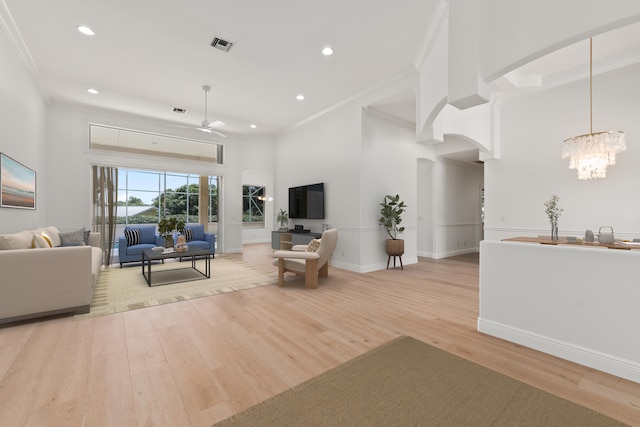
(149, 255)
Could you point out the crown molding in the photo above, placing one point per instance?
(15, 38)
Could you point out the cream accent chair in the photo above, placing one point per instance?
(310, 264)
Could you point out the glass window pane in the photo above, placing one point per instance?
(174, 181)
(252, 204)
(143, 180)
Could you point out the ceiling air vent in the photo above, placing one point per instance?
(179, 110)
(220, 44)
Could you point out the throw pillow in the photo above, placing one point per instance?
(86, 237)
(132, 236)
(19, 240)
(313, 245)
(72, 238)
(39, 241)
(47, 238)
(188, 233)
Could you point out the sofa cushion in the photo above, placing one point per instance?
(132, 235)
(73, 238)
(197, 231)
(54, 235)
(19, 240)
(202, 244)
(137, 249)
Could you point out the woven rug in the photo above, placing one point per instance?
(121, 289)
(409, 383)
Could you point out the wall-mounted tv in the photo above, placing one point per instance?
(307, 201)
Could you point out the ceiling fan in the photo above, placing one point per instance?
(207, 126)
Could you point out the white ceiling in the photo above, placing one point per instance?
(149, 56)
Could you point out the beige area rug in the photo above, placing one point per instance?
(409, 383)
(122, 289)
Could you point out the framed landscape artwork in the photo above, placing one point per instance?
(17, 184)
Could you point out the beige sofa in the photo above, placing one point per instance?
(40, 276)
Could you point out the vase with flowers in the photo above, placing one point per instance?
(553, 211)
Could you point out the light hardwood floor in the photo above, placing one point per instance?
(196, 362)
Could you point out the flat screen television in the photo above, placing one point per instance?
(307, 201)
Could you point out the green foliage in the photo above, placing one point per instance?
(137, 219)
(132, 201)
(252, 204)
(283, 218)
(390, 215)
(175, 202)
(167, 226)
(552, 209)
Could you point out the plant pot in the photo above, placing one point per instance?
(168, 242)
(395, 247)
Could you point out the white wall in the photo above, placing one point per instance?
(458, 209)
(514, 33)
(531, 168)
(327, 150)
(426, 204)
(574, 302)
(22, 133)
(389, 166)
(502, 35)
(258, 158)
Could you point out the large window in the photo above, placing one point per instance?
(252, 205)
(144, 197)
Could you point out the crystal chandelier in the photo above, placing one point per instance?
(591, 153)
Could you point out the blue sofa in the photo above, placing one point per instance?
(147, 239)
(198, 238)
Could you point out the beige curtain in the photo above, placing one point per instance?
(105, 202)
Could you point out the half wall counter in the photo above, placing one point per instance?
(580, 303)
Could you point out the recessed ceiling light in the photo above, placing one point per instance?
(86, 30)
(327, 51)
(252, 126)
(92, 91)
(300, 97)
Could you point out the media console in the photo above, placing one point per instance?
(285, 240)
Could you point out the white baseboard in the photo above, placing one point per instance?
(583, 356)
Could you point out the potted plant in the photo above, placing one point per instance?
(390, 217)
(283, 219)
(167, 226)
(553, 211)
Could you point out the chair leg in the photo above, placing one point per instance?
(311, 274)
(281, 272)
(324, 270)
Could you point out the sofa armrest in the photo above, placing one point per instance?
(159, 240)
(94, 239)
(211, 238)
(296, 255)
(45, 279)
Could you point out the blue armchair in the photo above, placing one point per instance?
(198, 238)
(135, 239)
